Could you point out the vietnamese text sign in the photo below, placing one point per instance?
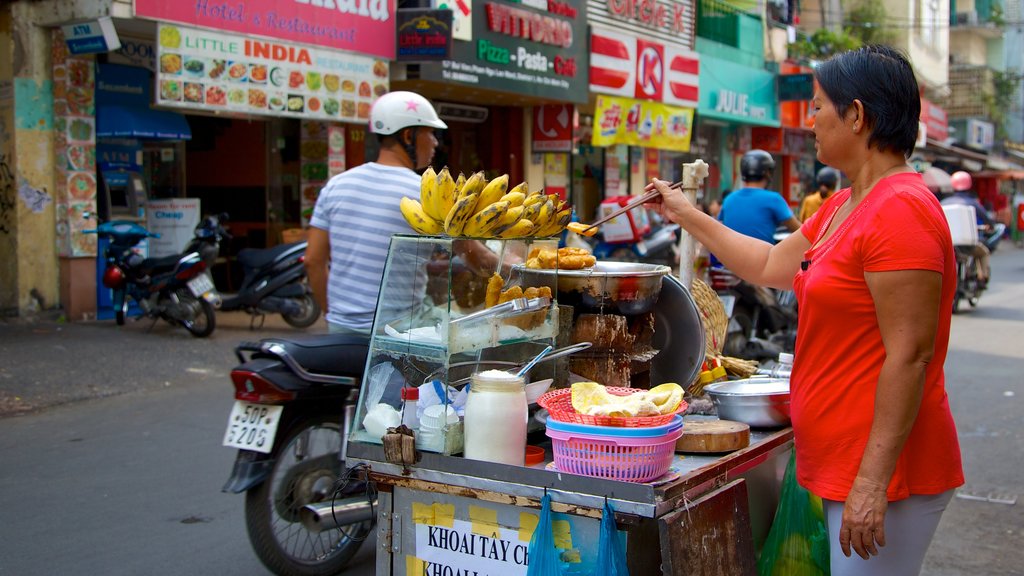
(642, 123)
(500, 553)
(364, 26)
(214, 71)
(522, 48)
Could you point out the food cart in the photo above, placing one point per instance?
(440, 513)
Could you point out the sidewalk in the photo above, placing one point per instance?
(48, 362)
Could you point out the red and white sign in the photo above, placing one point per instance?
(623, 65)
(553, 127)
(934, 117)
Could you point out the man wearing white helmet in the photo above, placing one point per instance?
(358, 212)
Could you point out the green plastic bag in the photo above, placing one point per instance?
(797, 544)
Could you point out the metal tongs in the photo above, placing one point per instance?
(510, 308)
(639, 201)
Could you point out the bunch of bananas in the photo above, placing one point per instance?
(476, 208)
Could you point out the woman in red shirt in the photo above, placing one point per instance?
(875, 274)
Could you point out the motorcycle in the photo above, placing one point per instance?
(762, 321)
(968, 286)
(295, 402)
(177, 288)
(274, 279)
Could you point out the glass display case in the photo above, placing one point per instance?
(449, 307)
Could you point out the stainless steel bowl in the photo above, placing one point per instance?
(617, 287)
(759, 402)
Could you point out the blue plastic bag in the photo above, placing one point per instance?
(611, 559)
(542, 554)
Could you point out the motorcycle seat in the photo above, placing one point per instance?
(334, 354)
(152, 265)
(251, 258)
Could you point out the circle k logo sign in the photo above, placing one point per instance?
(650, 70)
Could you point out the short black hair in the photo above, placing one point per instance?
(882, 78)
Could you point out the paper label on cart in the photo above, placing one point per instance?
(459, 550)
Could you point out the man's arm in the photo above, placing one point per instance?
(318, 256)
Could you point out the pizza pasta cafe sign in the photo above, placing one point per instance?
(363, 26)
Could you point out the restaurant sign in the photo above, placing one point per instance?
(521, 48)
(424, 34)
(364, 26)
(219, 72)
(642, 123)
(623, 65)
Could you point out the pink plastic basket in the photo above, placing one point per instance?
(614, 458)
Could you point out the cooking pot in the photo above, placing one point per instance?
(759, 402)
(615, 287)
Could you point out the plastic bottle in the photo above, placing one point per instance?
(496, 418)
(409, 398)
(785, 366)
(431, 434)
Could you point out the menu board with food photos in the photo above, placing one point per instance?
(213, 71)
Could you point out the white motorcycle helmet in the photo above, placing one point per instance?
(397, 110)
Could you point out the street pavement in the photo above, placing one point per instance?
(111, 463)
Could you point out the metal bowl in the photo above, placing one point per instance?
(759, 402)
(617, 287)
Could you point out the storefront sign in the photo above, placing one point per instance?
(462, 17)
(222, 72)
(642, 123)
(363, 26)
(737, 93)
(91, 37)
(795, 87)
(424, 35)
(934, 117)
(674, 17)
(175, 220)
(522, 49)
(624, 65)
(980, 135)
(138, 53)
(553, 127)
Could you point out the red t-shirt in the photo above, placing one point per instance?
(839, 350)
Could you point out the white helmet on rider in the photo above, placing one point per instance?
(397, 110)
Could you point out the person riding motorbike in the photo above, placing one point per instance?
(753, 209)
(827, 181)
(963, 194)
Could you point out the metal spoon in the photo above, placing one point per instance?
(522, 371)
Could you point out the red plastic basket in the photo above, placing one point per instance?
(559, 406)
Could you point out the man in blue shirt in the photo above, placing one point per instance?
(753, 210)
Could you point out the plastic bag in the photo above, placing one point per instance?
(611, 559)
(797, 544)
(542, 554)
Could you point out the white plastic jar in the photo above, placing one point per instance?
(496, 418)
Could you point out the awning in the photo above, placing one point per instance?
(114, 121)
(956, 150)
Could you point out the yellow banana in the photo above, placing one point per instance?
(514, 198)
(445, 196)
(460, 214)
(428, 192)
(459, 183)
(510, 217)
(481, 224)
(546, 215)
(474, 184)
(534, 197)
(419, 220)
(558, 223)
(493, 192)
(532, 210)
(520, 229)
(521, 187)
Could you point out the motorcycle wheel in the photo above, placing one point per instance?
(736, 342)
(306, 468)
(307, 317)
(122, 308)
(205, 318)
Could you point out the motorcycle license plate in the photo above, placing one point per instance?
(252, 426)
(200, 285)
(729, 301)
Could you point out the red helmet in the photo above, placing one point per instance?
(961, 181)
(113, 277)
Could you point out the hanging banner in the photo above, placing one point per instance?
(642, 123)
(221, 72)
(366, 27)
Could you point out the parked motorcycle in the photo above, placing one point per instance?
(968, 286)
(762, 321)
(177, 288)
(274, 279)
(295, 402)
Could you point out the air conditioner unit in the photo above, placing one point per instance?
(967, 18)
(461, 112)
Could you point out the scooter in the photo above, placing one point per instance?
(968, 286)
(762, 321)
(295, 402)
(176, 288)
(274, 279)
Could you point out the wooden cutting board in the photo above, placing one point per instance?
(713, 436)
